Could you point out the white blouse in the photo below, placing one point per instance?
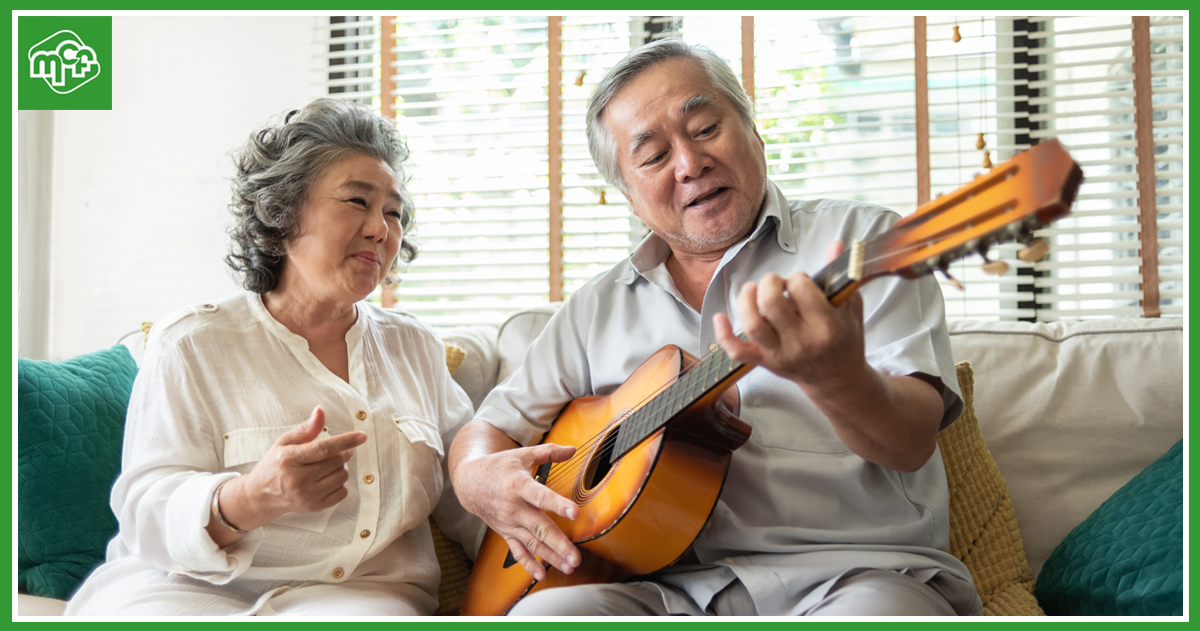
(220, 383)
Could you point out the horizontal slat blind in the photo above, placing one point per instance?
(835, 100)
(836, 106)
(470, 95)
(598, 227)
(1086, 100)
(352, 61)
(972, 91)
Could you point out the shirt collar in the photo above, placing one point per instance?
(653, 250)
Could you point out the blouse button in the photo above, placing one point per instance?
(368, 478)
(338, 573)
(731, 560)
(712, 348)
(364, 534)
(361, 415)
(753, 244)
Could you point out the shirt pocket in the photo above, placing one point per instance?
(418, 431)
(420, 459)
(245, 447)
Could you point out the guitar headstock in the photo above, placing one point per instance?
(1006, 204)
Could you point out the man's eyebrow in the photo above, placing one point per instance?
(366, 187)
(694, 103)
(697, 102)
(641, 139)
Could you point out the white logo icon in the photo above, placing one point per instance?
(63, 61)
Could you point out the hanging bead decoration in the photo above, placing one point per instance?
(980, 143)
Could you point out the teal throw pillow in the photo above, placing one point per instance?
(1125, 559)
(70, 422)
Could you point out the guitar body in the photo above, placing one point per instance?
(636, 515)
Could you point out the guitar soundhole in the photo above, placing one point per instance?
(600, 463)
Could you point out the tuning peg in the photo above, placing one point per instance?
(987, 160)
(603, 199)
(1035, 251)
(995, 268)
(952, 280)
(980, 143)
(957, 37)
(579, 79)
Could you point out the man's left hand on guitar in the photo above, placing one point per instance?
(797, 334)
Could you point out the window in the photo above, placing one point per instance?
(879, 108)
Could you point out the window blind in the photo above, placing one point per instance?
(1084, 78)
(975, 99)
(351, 66)
(836, 107)
(470, 95)
(839, 107)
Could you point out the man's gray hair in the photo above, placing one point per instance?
(276, 169)
(601, 143)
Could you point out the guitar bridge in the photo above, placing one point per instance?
(542, 474)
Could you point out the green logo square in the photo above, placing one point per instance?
(64, 62)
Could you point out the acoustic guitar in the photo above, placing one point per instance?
(651, 458)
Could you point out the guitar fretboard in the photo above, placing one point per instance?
(691, 385)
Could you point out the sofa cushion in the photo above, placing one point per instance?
(1072, 411)
(70, 421)
(518, 332)
(1125, 559)
(983, 525)
(480, 362)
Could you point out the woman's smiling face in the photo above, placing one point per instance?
(348, 232)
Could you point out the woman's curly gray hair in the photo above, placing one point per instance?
(276, 169)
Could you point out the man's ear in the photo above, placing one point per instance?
(761, 142)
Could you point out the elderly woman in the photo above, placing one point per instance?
(283, 447)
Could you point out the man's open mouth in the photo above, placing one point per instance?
(707, 196)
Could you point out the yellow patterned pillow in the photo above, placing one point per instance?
(983, 525)
(454, 358)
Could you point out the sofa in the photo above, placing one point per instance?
(1064, 469)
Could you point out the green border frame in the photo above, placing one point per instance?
(234, 6)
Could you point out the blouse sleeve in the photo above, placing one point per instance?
(169, 470)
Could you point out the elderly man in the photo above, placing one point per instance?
(837, 504)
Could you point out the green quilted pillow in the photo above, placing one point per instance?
(1125, 559)
(70, 422)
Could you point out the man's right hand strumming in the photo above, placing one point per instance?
(491, 475)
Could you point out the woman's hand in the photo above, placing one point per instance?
(492, 479)
(300, 473)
